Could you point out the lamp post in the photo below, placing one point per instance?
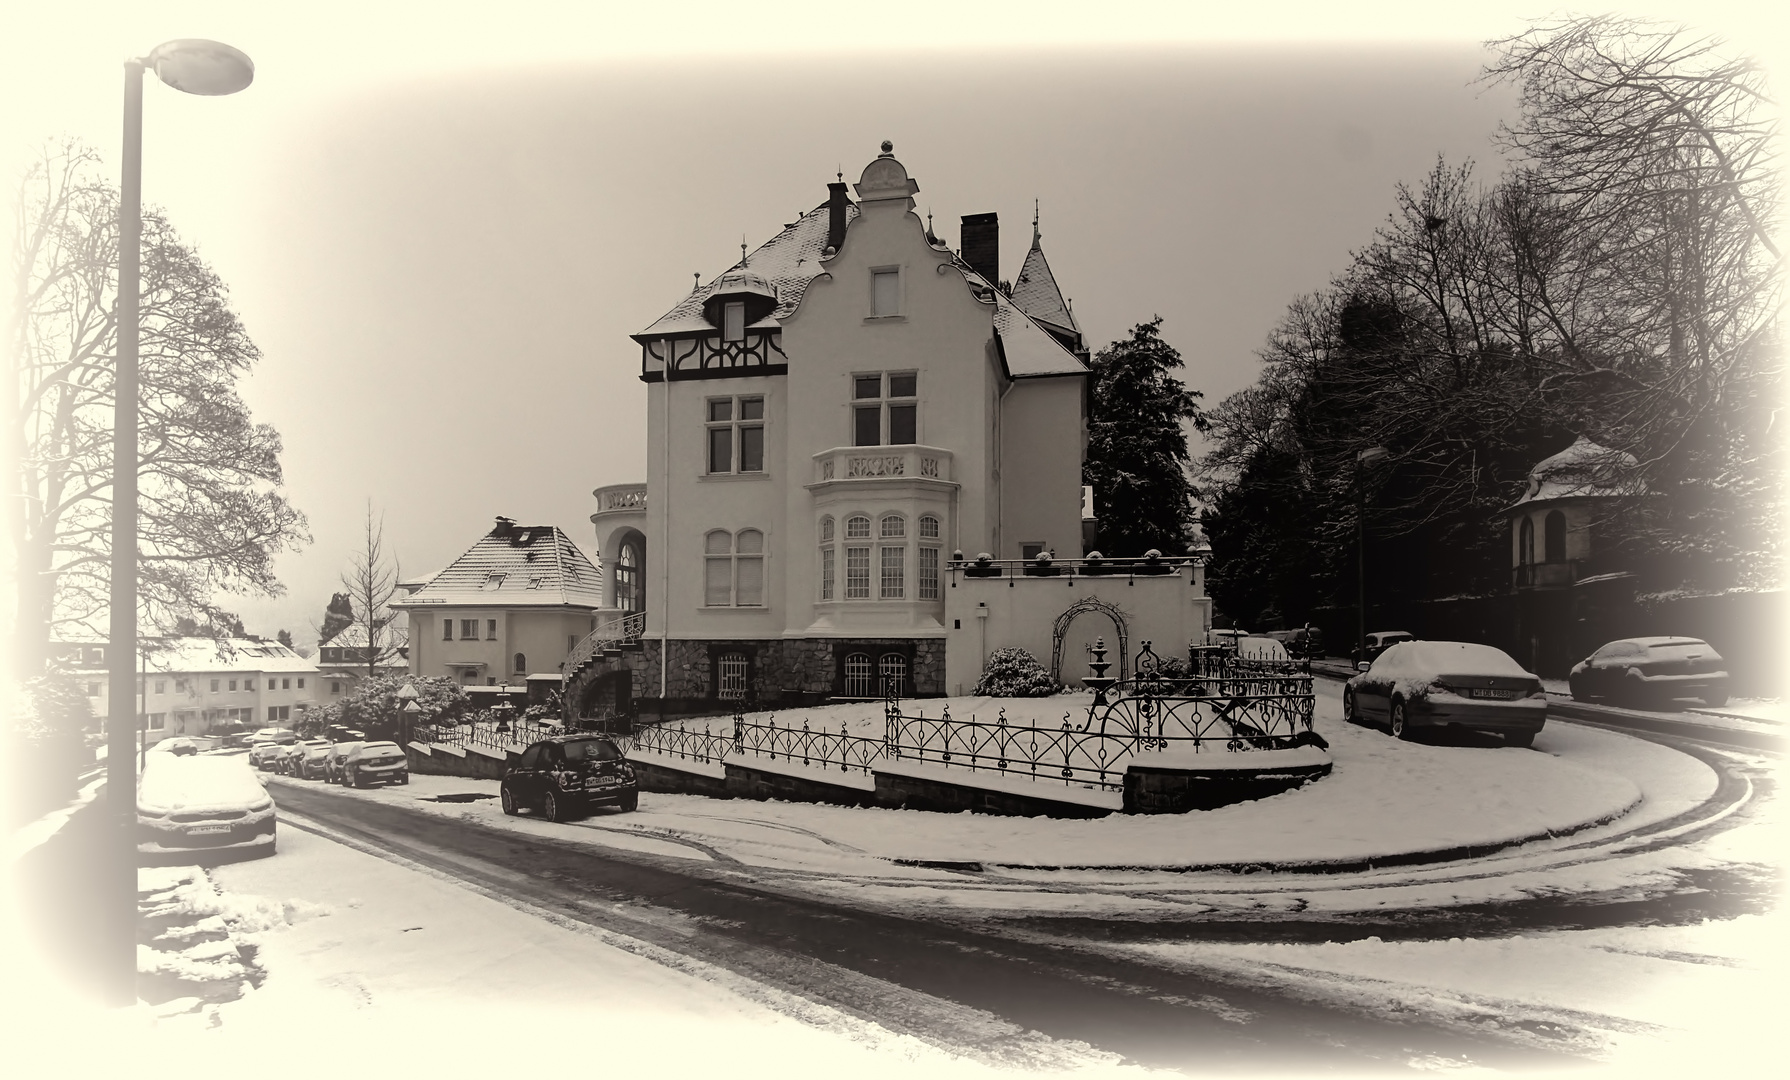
(211, 69)
(407, 723)
(1373, 455)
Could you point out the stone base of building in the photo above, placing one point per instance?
(668, 781)
(745, 782)
(901, 792)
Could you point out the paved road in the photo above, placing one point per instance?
(975, 988)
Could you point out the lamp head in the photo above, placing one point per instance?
(198, 66)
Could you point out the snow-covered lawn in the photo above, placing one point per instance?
(1384, 797)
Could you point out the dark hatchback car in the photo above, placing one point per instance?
(1651, 671)
(566, 775)
(375, 763)
(1378, 642)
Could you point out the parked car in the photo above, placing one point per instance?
(291, 759)
(1432, 683)
(1252, 647)
(1227, 638)
(198, 803)
(283, 736)
(1652, 671)
(1302, 643)
(314, 764)
(1378, 642)
(265, 755)
(375, 763)
(337, 754)
(179, 744)
(566, 775)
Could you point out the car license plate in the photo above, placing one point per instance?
(1495, 695)
(208, 829)
(603, 781)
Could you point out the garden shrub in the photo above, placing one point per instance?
(1015, 673)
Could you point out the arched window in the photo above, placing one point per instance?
(894, 526)
(929, 558)
(929, 527)
(717, 549)
(630, 590)
(893, 669)
(1526, 542)
(1553, 528)
(731, 683)
(521, 664)
(860, 680)
(857, 559)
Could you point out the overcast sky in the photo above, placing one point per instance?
(441, 226)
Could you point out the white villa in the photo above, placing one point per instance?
(832, 423)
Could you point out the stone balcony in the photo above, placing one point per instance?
(620, 499)
(882, 464)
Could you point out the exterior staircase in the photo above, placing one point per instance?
(592, 657)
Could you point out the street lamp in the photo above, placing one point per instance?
(1373, 455)
(211, 69)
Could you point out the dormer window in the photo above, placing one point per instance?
(733, 321)
(494, 581)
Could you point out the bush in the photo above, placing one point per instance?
(375, 707)
(1015, 673)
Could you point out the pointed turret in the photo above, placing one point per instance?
(1035, 292)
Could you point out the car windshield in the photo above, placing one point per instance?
(1680, 650)
(381, 749)
(591, 750)
(1457, 658)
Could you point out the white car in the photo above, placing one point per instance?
(188, 805)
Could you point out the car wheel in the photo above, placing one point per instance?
(1523, 739)
(630, 801)
(1576, 688)
(1715, 699)
(1399, 727)
(551, 809)
(405, 779)
(508, 799)
(1349, 713)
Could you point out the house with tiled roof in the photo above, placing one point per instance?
(832, 422)
(512, 606)
(205, 685)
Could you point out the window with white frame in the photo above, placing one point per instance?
(161, 686)
(733, 574)
(885, 409)
(828, 566)
(929, 558)
(857, 557)
(469, 629)
(490, 629)
(885, 292)
(735, 434)
(892, 584)
(733, 321)
(447, 629)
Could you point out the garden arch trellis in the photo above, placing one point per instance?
(1082, 607)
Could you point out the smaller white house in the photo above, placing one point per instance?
(196, 685)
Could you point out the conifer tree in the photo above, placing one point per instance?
(1137, 446)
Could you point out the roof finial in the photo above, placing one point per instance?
(1034, 221)
(742, 249)
(697, 274)
(888, 148)
(839, 171)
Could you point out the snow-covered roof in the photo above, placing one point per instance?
(1582, 470)
(1028, 349)
(194, 655)
(1035, 291)
(395, 636)
(515, 566)
(787, 262)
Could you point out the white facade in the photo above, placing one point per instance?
(195, 685)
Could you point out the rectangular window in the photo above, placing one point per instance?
(301, 682)
(335, 687)
(285, 684)
(867, 425)
(447, 629)
(214, 686)
(826, 572)
(273, 713)
(157, 721)
(1028, 552)
(180, 686)
(732, 682)
(161, 686)
(721, 449)
(885, 292)
(718, 584)
(232, 684)
(751, 583)
(736, 435)
(733, 322)
(857, 573)
(929, 573)
(469, 629)
(867, 386)
(894, 573)
(490, 629)
(903, 425)
(893, 420)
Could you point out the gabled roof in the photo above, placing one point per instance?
(1027, 348)
(788, 261)
(1035, 292)
(515, 566)
(395, 636)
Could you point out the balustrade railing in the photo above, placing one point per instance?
(621, 630)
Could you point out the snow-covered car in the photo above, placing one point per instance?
(338, 753)
(179, 744)
(1378, 642)
(263, 755)
(1652, 671)
(375, 763)
(1434, 683)
(188, 804)
(566, 775)
(314, 765)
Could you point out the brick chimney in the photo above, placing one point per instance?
(981, 238)
(836, 203)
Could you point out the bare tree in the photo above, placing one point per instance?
(211, 517)
(372, 584)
